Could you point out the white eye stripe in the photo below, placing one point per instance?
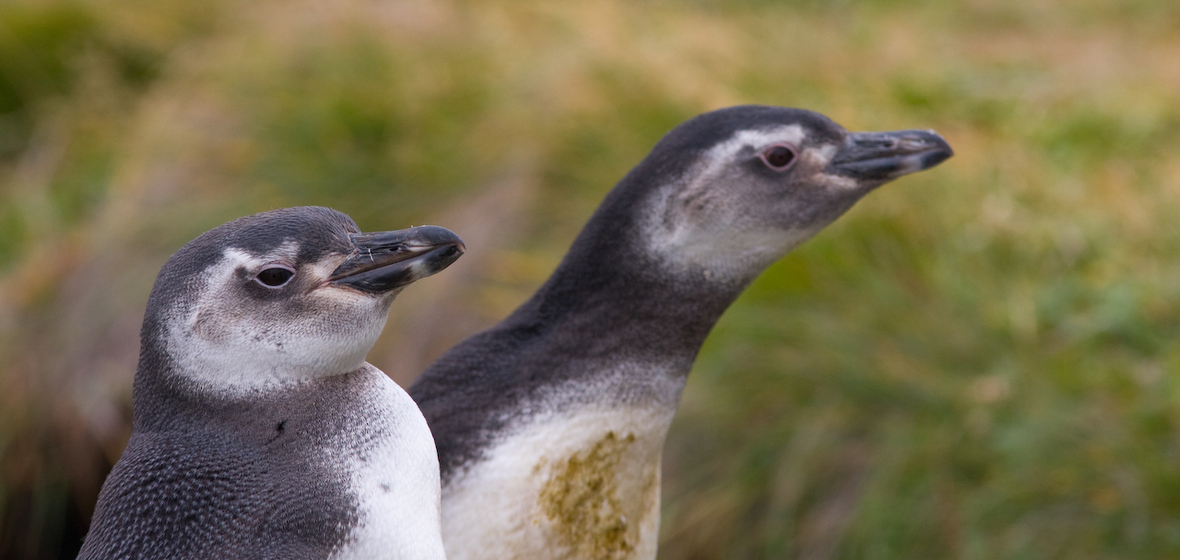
(288, 251)
(268, 266)
(790, 135)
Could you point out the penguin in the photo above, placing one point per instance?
(550, 425)
(259, 431)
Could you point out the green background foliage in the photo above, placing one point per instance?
(976, 362)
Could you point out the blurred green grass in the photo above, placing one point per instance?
(975, 362)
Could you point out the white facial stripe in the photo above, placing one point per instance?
(322, 269)
(821, 155)
(818, 158)
(235, 342)
(722, 240)
(837, 182)
(757, 139)
(287, 252)
(724, 153)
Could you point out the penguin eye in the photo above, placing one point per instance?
(274, 276)
(778, 157)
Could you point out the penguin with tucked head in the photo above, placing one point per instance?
(550, 425)
(259, 429)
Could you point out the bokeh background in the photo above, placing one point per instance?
(975, 362)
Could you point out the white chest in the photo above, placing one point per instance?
(581, 484)
(397, 484)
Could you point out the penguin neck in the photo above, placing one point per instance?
(616, 298)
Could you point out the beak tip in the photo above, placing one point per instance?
(939, 151)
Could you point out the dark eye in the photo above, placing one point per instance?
(778, 157)
(275, 276)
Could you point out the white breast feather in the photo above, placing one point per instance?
(396, 481)
(591, 490)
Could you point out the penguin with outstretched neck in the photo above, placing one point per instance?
(550, 424)
(259, 429)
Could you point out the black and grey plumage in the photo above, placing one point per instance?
(259, 429)
(550, 425)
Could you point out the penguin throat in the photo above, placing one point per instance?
(232, 361)
(627, 311)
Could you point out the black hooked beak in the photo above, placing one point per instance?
(884, 156)
(388, 260)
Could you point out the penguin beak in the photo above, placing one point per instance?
(387, 260)
(883, 156)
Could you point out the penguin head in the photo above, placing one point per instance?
(280, 296)
(730, 191)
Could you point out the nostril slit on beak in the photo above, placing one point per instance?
(391, 249)
(914, 143)
(880, 143)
